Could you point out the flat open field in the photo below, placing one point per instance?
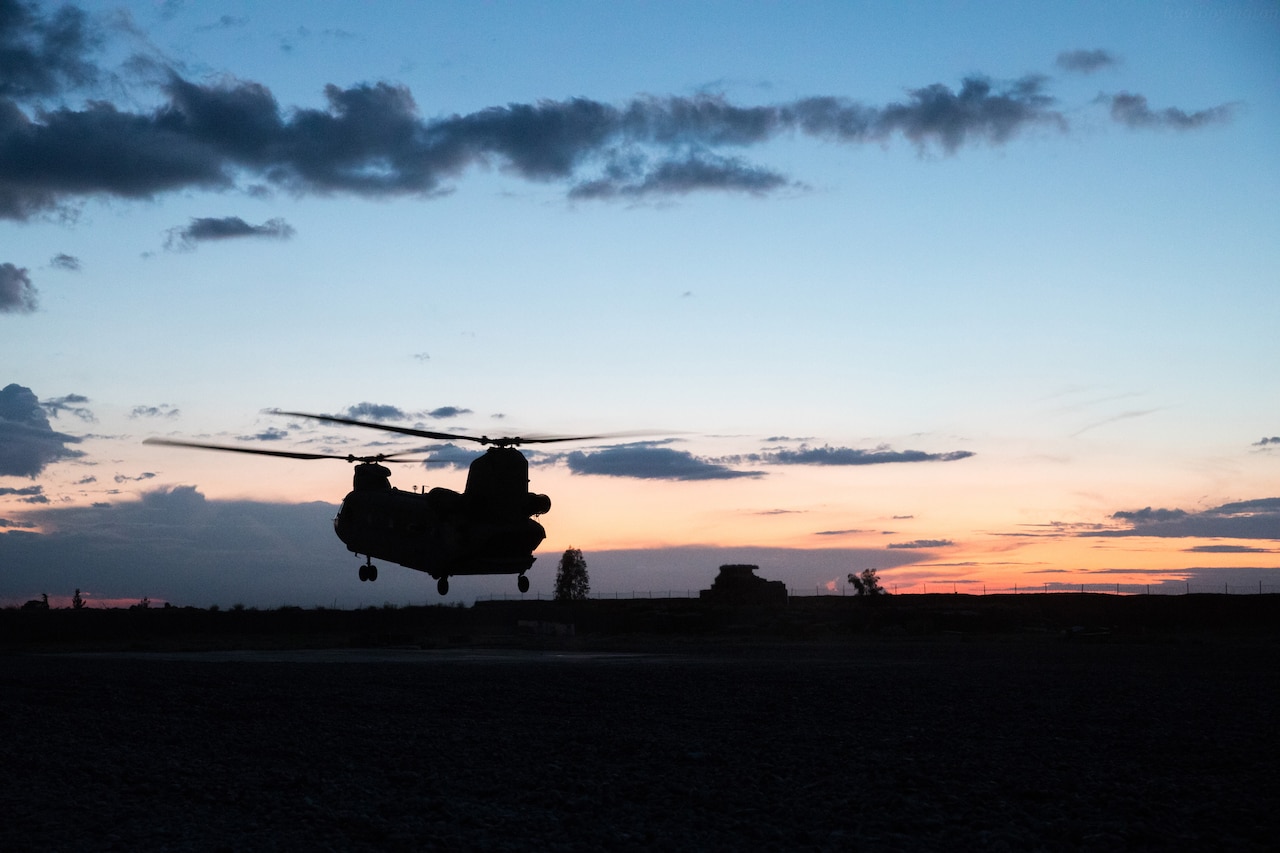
(702, 739)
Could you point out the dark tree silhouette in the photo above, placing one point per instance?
(867, 583)
(77, 602)
(571, 577)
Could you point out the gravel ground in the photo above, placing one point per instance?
(895, 744)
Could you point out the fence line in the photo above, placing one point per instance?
(937, 588)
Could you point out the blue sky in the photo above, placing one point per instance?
(954, 290)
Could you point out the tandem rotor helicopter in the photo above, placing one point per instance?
(487, 529)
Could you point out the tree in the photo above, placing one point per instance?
(77, 603)
(867, 583)
(571, 577)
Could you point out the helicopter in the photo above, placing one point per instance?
(489, 528)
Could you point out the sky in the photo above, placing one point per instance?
(981, 295)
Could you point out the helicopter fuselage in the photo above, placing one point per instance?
(488, 529)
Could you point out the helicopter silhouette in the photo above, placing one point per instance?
(486, 529)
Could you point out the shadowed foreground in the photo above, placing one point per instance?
(881, 744)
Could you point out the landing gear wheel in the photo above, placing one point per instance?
(442, 586)
(372, 573)
(364, 573)
(523, 583)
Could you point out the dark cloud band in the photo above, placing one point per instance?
(370, 140)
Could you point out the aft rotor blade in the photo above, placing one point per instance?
(285, 454)
(502, 441)
(420, 433)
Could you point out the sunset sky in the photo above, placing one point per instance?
(977, 294)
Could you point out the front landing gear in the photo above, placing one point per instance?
(442, 586)
(368, 572)
(523, 583)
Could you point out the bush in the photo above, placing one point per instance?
(867, 582)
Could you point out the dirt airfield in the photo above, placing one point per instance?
(924, 725)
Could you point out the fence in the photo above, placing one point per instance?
(926, 588)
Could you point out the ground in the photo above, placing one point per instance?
(712, 739)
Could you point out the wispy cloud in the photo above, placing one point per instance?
(1086, 61)
(1122, 416)
(268, 434)
(204, 229)
(828, 455)
(1133, 111)
(164, 410)
(72, 404)
(921, 543)
(882, 455)
(1252, 519)
(651, 461)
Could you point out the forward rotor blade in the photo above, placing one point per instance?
(285, 454)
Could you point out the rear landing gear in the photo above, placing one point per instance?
(442, 586)
(368, 572)
(523, 583)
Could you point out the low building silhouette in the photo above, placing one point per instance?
(738, 584)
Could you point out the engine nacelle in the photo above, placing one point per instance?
(538, 504)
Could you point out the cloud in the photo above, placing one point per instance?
(697, 172)
(1267, 442)
(827, 455)
(164, 410)
(1147, 515)
(224, 22)
(125, 478)
(72, 404)
(31, 493)
(1132, 111)
(370, 140)
(978, 111)
(922, 543)
(175, 545)
(1227, 549)
(374, 412)
(1122, 416)
(448, 412)
(63, 261)
(649, 460)
(224, 228)
(27, 442)
(450, 456)
(17, 293)
(43, 55)
(269, 434)
(1252, 519)
(1086, 61)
